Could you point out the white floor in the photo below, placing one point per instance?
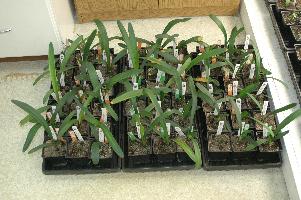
(21, 176)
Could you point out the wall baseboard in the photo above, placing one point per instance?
(24, 58)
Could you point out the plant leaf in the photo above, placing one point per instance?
(88, 44)
(32, 132)
(103, 40)
(221, 27)
(52, 70)
(95, 148)
(41, 146)
(40, 77)
(288, 120)
(70, 51)
(186, 148)
(111, 111)
(127, 95)
(255, 100)
(29, 118)
(47, 95)
(34, 113)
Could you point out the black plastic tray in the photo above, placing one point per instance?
(284, 34)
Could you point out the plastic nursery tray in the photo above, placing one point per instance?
(284, 34)
(294, 66)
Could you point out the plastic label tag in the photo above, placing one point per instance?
(134, 79)
(230, 90)
(130, 61)
(227, 74)
(220, 127)
(80, 93)
(176, 53)
(252, 71)
(247, 127)
(135, 86)
(62, 80)
(174, 44)
(264, 107)
(101, 135)
(235, 86)
(62, 56)
(77, 112)
(77, 133)
(184, 88)
(242, 128)
(100, 77)
(179, 131)
(101, 95)
(236, 70)
(48, 115)
(138, 130)
(57, 117)
(54, 137)
(265, 131)
(104, 56)
(168, 128)
(219, 107)
(247, 42)
(210, 88)
(181, 110)
(262, 87)
(227, 56)
(104, 115)
(238, 103)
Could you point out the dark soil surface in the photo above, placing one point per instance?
(78, 149)
(238, 145)
(270, 120)
(96, 109)
(246, 120)
(105, 151)
(296, 30)
(291, 17)
(159, 147)
(268, 147)
(152, 73)
(260, 98)
(136, 148)
(212, 121)
(182, 122)
(282, 5)
(55, 150)
(68, 108)
(219, 143)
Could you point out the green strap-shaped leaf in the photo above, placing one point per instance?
(255, 101)
(34, 113)
(65, 127)
(282, 109)
(186, 148)
(40, 77)
(237, 112)
(95, 156)
(31, 134)
(288, 120)
(127, 95)
(184, 43)
(221, 27)
(121, 76)
(47, 95)
(119, 55)
(88, 44)
(52, 70)
(133, 47)
(29, 118)
(104, 40)
(93, 76)
(248, 89)
(41, 146)
(168, 57)
(111, 111)
(194, 99)
(197, 153)
(115, 146)
(70, 51)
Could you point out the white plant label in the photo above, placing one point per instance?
(219, 107)
(132, 111)
(168, 128)
(247, 127)
(100, 77)
(135, 86)
(181, 57)
(247, 42)
(176, 53)
(57, 117)
(104, 114)
(159, 74)
(130, 62)
(77, 112)
(184, 88)
(265, 131)
(174, 44)
(179, 131)
(238, 103)
(62, 56)
(210, 88)
(138, 130)
(134, 79)
(54, 137)
(104, 56)
(101, 135)
(252, 71)
(80, 93)
(49, 115)
(220, 127)
(209, 71)
(264, 107)
(107, 97)
(100, 94)
(227, 56)
(85, 83)
(242, 128)
(62, 80)
(181, 110)
(262, 87)
(236, 68)
(235, 86)
(77, 133)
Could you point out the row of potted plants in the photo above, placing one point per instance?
(155, 106)
(286, 18)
